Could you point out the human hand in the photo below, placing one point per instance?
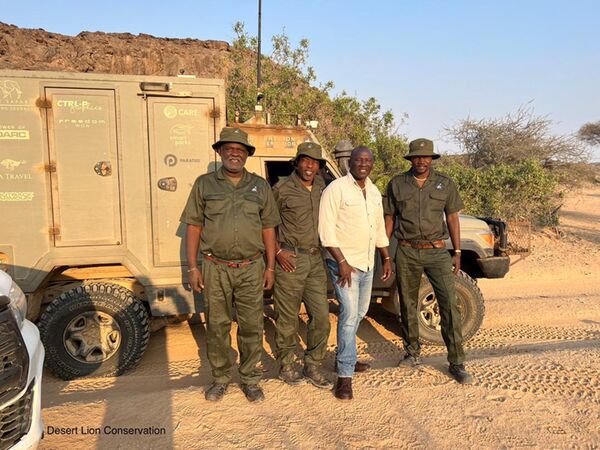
(456, 263)
(345, 273)
(287, 260)
(387, 270)
(268, 279)
(195, 279)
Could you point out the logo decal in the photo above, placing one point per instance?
(11, 164)
(170, 160)
(170, 112)
(10, 90)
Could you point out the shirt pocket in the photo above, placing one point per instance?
(354, 209)
(252, 205)
(376, 206)
(406, 202)
(215, 204)
(296, 209)
(437, 200)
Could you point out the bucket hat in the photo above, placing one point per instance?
(421, 147)
(230, 134)
(312, 150)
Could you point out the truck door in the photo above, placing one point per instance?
(84, 167)
(181, 132)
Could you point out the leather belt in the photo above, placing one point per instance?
(232, 264)
(307, 251)
(422, 244)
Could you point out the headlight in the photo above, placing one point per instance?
(18, 303)
(488, 237)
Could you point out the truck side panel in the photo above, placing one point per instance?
(87, 172)
(86, 202)
(24, 199)
(180, 137)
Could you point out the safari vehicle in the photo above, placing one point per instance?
(94, 173)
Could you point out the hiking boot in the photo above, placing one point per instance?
(253, 392)
(460, 374)
(411, 360)
(215, 392)
(290, 375)
(343, 388)
(315, 377)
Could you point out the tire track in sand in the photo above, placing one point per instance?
(579, 382)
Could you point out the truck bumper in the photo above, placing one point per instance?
(30, 399)
(494, 266)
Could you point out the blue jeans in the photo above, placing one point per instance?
(354, 304)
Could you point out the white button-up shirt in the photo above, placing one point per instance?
(351, 222)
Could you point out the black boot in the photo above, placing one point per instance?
(460, 374)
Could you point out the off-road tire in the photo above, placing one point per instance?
(120, 304)
(470, 302)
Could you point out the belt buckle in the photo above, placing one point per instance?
(313, 251)
(233, 265)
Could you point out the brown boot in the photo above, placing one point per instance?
(343, 388)
(359, 367)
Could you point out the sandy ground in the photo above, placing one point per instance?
(536, 363)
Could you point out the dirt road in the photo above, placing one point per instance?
(536, 363)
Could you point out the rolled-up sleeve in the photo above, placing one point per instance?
(453, 203)
(328, 215)
(389, 200)
(381, 239)
(270, 213)
(193, 213)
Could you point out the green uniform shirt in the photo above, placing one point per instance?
(419, 211)
(299, 211)
(232, 217)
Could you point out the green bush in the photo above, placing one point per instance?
(521, 191)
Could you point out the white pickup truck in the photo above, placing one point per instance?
(21, 363)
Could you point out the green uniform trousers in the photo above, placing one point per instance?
(437, 264)
(308, 284)
(222, 287)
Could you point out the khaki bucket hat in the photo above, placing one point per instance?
(230, 134)
(421, 147)
(312, 150)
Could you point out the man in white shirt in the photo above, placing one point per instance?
(351, 226)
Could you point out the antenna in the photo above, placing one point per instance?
(258, 76)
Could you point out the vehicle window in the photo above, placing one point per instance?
(277, 170)
(327, 175)
(280, 170)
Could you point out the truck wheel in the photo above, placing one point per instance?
(96, 328)
(470, 303)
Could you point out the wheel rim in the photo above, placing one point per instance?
(92, 337)
(429, 311)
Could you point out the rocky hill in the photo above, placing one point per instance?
(119, 53)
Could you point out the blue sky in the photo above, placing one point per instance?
(437, 61)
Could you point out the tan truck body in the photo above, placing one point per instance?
(95, 170)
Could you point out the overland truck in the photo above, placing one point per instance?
(95, 170)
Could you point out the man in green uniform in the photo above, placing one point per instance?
(300, 274)
(231, 216)
(416, 202)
